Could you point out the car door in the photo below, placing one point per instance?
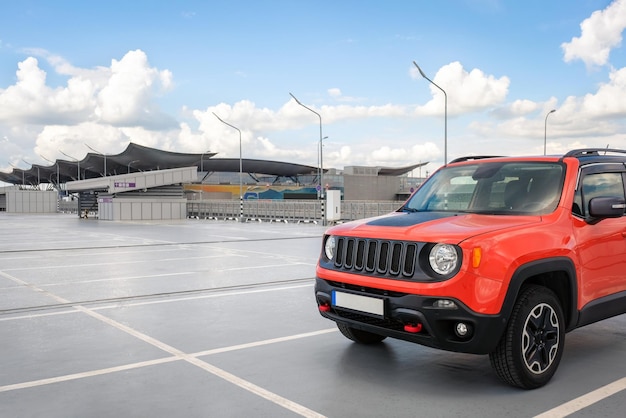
(601, 244)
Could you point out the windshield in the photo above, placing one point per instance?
(491, 187)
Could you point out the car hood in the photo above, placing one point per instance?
(431, 226)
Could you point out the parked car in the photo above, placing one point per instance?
(491, 255)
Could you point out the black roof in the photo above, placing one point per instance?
(398, 171)
(139, 158)
(598, 155)
(584, 155)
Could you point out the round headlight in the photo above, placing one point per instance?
(443, 258)
(329, 247)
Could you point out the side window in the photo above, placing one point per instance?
(597, 185)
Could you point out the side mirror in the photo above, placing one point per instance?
(607, 207)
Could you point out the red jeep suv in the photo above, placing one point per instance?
(491, 255)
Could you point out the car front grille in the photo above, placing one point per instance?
(377, 257)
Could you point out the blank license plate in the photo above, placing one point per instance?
(360, 303)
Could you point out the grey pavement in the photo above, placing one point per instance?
(201, 318)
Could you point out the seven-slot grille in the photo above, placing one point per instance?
(377, 257)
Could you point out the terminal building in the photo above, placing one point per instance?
(147, 183)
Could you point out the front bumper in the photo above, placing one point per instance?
(405, 313)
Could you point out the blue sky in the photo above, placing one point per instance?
(153, 72)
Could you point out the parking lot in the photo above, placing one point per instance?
(200, 318)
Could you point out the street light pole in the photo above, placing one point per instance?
(240, 168)
(23, 177)
(445, 132)
(77, 162)
(202, 158)
(545, 130)
(38, 176)
(57, 163)
(128, 167)
(104, 155)
(321, 154)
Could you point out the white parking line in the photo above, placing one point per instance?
(92, 373)
(190, 358)
(126, 304)
(120, 279)
(264, 342)
(584, 401)
(119, 262)
(138, 365)
(176, 355)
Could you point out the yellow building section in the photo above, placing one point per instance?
(269, 191)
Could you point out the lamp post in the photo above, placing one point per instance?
(133, 161)
(85, 171)
(16, 168)
(319, 171)
(77, 162)
(445, 129)
(545, 130)
(202, 158)
(57, 164)
(240, 168)
(38, 176)
(104, 155)
(321, 155)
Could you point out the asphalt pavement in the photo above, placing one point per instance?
(205, 318)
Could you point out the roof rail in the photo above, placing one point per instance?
(474, 157)
(592, 151)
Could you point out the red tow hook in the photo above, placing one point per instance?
(324, 307)
(413, 328)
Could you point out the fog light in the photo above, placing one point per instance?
(462, 330)
(444, 304)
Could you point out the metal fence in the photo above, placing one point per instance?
(284, 210)
(351, 210)
(272, 210)
(67, 206)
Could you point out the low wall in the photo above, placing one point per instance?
(119, 209)
(285, 210)
(31, 201)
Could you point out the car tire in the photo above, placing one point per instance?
(360, 336)
(530, 350)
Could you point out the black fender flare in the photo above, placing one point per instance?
(534, 268)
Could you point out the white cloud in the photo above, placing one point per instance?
(270, 151)
(72, 139)
(394, 156)
(334, 92)
(610, 99)
(594, 115)
(122, 95)
(30, 100)
(127, 98)
(41, 120)
(471, 91)
(218, 137)
(63, 67)
(337, 95)
(250, 120)
(333, 114)
(523, 107)
(600, 33)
